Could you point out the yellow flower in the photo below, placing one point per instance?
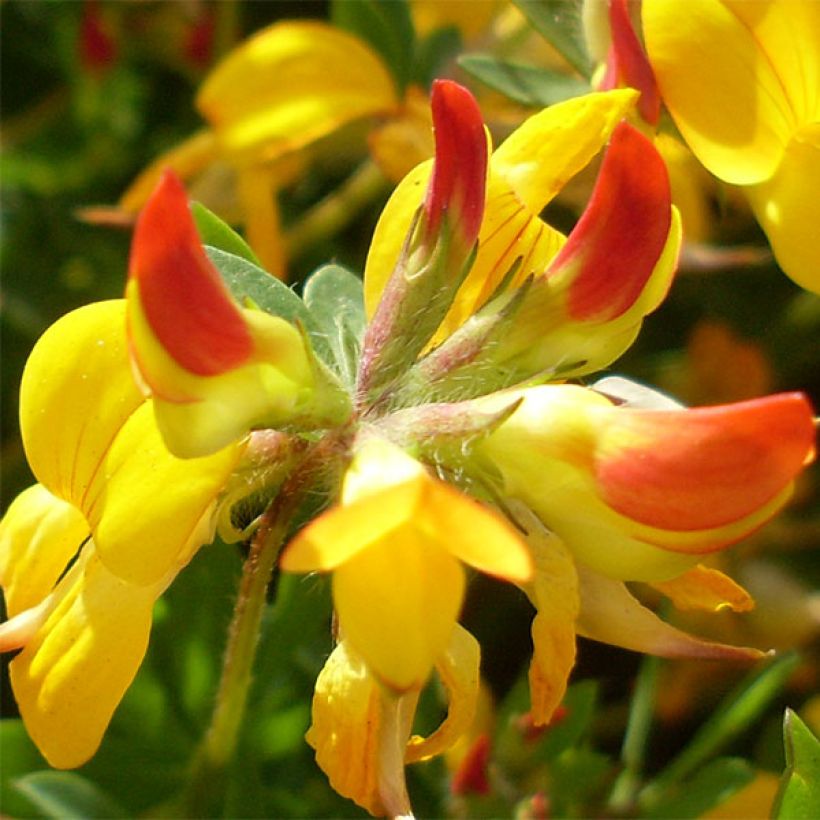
(268, 100)
(395, 545)
(741, 82)
(84, 632)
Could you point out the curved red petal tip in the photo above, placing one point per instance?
(685, 470)
(98, 49)
(471, 775)
(460, 170)
(622, 233)
(185, 301)
(631, 63)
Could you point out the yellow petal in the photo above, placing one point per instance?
(77, 391)
(258, 194)
(611, 614)
(397, 603)
(291, 84)
(458, 668)
(148, 509)
(71, 675)
(198, 415)
(554, 594)
(406, 139)
(550, 147)
(385, 490)
(187, 160)
(720, 80)
(787, 208)
(525, 173)
(469, 17)
(39, 534)
(359, 731)
(704, 588)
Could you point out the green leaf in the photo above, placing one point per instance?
(335, 297)
(526, 84)
(559, 21)
(739, 711)
(711, 786)
(249, 284)
(67, 795)
(386, 26)
(19, 757)
(799, 794)
(218, 234)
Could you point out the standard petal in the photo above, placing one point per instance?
(39, 535)
(148, 509)
(721, 83)
(611, 614)
(707, 589)
(291, 84)
(71, 675)
(77, 392)
(787, 208)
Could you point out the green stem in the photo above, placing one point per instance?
(337, 210)
(206, 788)
(633, 751)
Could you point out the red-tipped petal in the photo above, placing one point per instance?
(185, 301)
(622, 233)
(460, 169)
(704, 468)
(630, 64)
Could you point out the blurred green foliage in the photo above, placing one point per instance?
(74, 135)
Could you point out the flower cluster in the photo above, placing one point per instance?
(460, 438)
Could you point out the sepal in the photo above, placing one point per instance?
(439, 248)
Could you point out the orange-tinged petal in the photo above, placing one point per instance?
(397, 603)
(703, 468)
(176, 498)
(73, 672)
(182, 296)
(590, 469)
(291, 84)
(754, 801)
(458, 669)
(359, 730)
(705, 588)
(611, 614)
(39, 534)
(77, 392)
(721, 82)
(787, 208)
